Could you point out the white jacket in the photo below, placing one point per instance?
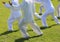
(28, 11)
(15, 11)
(46, 3)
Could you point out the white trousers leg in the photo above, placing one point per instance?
(23, 31)
(10, 22)
(36, 28)
(55, 18)
(43, 18)
(51, 12)
(22, 27)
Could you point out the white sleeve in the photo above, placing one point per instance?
(7, 5)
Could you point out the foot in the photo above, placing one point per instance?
(45, 26)
(26, 37)
(41, 33)
(58, 23)
(10, 29)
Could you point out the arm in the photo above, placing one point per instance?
(7, 5)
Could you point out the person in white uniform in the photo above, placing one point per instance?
(58, 11)
(49, 10)
(28, 11)
(15, 13)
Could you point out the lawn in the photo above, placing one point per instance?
(51, 34)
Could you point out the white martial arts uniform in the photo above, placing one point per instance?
(58, 10)
(49, 9)
(15, 13)
(28, 11)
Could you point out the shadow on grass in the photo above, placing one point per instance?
(23, 39)
(42, 28)
(7, 32)
(48, 27)
(37, 19)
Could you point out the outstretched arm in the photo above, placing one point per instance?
(3, 2)
(7, 5)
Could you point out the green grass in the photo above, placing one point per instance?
(51, 34)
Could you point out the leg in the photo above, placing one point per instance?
(36, 29)
(22, 27)
(10, 21)
(19, 19)
(55, 18)
(43, 18)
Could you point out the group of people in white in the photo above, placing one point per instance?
(27, 10)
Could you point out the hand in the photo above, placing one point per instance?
(3, 2)
(10, 3)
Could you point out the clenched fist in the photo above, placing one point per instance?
(10, 3)
(3, 2)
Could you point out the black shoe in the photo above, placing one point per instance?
(58, 17)
(40, 13)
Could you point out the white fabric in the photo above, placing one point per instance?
(46, 3)
(49, 9)
(28, 11)
(15, 3)
(58, 10)
(15, 15)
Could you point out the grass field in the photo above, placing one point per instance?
(51, 34)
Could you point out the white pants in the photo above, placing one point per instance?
(59, 12)
(48, 12)
(34, 26)
(11, 20)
